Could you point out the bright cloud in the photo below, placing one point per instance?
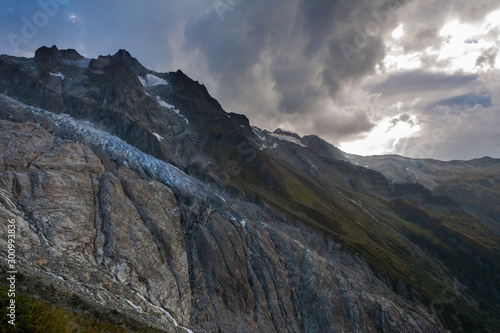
(384, 137)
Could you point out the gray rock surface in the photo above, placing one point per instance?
(124, 240)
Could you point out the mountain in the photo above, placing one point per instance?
(474, 184)
(154, 208)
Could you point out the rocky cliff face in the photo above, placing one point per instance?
(151, 200)
(123, 239)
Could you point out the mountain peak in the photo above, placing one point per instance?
(70, 54)
(287, 133)
(45, 49)
(47, 56)
(125, 57)
(322, 147)
(52, 56)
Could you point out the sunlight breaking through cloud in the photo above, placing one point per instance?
(384, 137)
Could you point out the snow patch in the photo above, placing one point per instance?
(58, 74)
(288, 138)
(158, 136)
(275, 145)
(165, 104)
(170, 106)
(256, 131)
(244, 226)
(151, 80)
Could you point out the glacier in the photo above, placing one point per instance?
(120, 151)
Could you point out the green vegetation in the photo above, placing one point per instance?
(380, 229)
(34, 315)
(479, 191)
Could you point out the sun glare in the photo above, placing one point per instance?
(383, 138)
(464, 43)
(398, 32)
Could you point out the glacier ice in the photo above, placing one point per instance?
(151, 80)
(116, 148)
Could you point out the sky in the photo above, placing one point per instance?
(415, 78)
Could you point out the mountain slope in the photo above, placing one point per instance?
(256, 231)
(473, 184)
(142, 248)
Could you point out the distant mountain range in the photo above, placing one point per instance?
(142, 205)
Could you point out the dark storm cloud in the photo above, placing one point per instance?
(311, 50)
(465, 101)
(314, 66)
(332, 126)
(419, 82)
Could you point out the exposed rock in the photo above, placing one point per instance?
(15, 153)
(117, 233)
(277, 234)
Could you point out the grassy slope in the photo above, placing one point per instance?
(365, 224)
(54, 311)
(480, 192)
